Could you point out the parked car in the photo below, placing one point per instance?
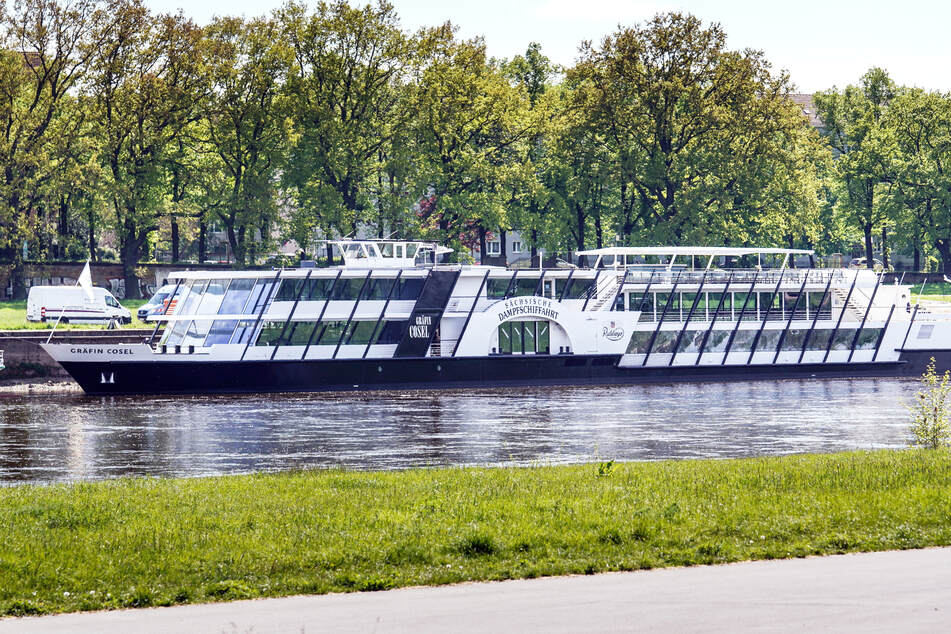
(859, 263)
(48, 303)
(156, 305)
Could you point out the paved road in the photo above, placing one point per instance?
(906, 591)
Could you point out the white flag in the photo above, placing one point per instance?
(85, 280)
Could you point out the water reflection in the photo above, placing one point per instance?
(47, 439)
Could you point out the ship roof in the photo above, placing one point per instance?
(726, 251)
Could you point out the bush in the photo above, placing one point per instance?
(930, 428)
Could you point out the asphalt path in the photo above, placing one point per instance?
(907, 591)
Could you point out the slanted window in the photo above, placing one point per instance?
(348, 288)
(288, 290)
(221, 331)
(390, 332)
(378, 288)
(495, 288)
(525, 286)
(211, 299)
(236, 297)
(408, 288)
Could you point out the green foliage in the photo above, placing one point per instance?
(930, 410)
(137, 542)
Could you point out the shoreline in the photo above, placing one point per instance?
(38, 386)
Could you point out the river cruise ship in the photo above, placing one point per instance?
(393, 317)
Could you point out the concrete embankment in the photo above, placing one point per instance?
(25, 359)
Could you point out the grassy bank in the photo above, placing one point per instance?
(933, 290)
(13, 317)
(138, 542)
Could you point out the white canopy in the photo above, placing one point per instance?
(728, 251)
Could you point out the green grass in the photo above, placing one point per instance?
(13, 317)
(139, 542)
(940, 291)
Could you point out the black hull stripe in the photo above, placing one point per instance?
(222, 377)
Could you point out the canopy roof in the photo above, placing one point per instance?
(728, 251)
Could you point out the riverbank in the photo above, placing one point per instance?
(140, 542)
(30, 387)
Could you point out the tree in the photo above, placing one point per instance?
(46, 50)
(697, 132)
(472, 127)
(345, 107)
(148, 84)
(244, 126)
(865, 148)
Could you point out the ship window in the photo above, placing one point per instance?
(196, 333)
(408, 288)
(743, 341)
(242, 334)
(717, 341)
(924, 332)
(359, 332)
(378, 288)
(525, 286)
(868, 339)
(528, 337)
(843, 339)
(411, 250)
(259, 295)
(270, 333)
(390, 332)
(639, 342)
(576, 288)
(768, 341)
(197, 288)
(211, 299)
(221, 331)
(690, 342)
(288, 290)
(348, 288)
(795, 337)
(819, 340)
(665, 341)
(317, 289)
(330, 332)
(386, 250)
(495, 288)
(173, 336)
(236, 297)
(298, 333)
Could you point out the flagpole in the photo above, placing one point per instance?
(79, 282)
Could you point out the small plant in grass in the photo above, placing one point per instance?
(930, 410)
(605, 468)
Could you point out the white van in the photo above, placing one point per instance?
(45, 303)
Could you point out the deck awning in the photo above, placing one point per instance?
(701, 251)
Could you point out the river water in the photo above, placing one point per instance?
(67, 438)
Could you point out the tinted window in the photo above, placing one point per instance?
(409, 288)
(348, 288)
(236, 297)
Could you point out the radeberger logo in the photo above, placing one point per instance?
(612, 332)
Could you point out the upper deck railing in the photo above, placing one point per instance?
(637, 275)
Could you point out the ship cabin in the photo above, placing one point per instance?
(653, 305)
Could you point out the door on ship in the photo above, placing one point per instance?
(525, 337)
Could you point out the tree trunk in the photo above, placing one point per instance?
(129, 254)
(202, 240)
(175, 239)
(502, 250)
(579, 218)
(943, 246)
(884, 247)
(17, 275)
(598, 231)
(482, 247)
(869, 260)
(91, 237)
(534, 243)
(917, 253)
(330, 254)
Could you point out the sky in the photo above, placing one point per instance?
(821, 44)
